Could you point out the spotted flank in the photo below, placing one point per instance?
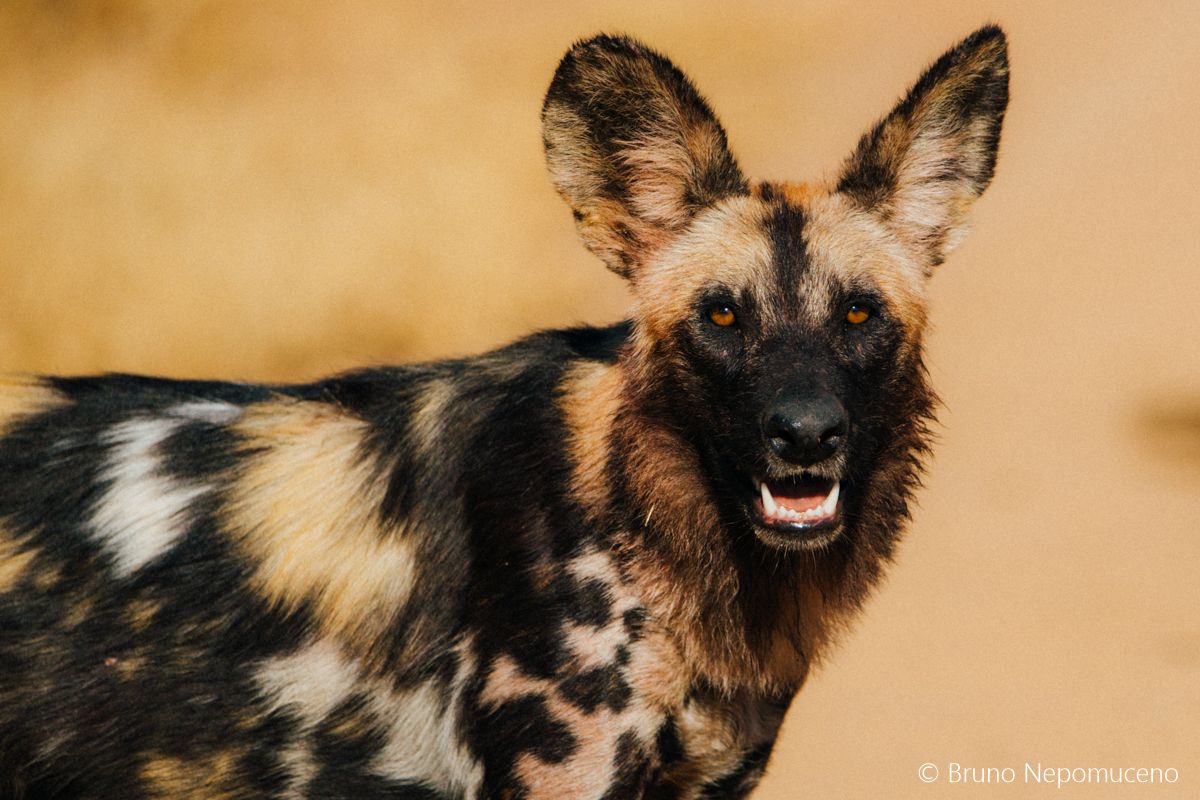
(597, 563)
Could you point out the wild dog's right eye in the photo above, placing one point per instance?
(858, 313)
(722, 315)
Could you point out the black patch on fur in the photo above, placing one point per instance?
(742, 780)
(201, 451)
(635, 622)
(632, 768)
(597, 344)
(592, 605)
(521, 725)
(670, 746)
(117, 392)
(785, 231)
(595, 687)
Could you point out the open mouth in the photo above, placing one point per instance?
(802, 504)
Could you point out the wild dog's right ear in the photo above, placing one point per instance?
(633, 148)
(921, 167)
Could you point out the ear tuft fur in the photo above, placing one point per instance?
(633, 148)
(920, 168)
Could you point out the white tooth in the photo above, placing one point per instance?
(768, 501)
(830, 504)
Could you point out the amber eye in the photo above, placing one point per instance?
(858, 313)
(722, 316)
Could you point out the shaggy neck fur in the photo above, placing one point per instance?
(745, 615)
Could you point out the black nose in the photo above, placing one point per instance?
(804, 431)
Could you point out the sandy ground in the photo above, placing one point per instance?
(276, 191)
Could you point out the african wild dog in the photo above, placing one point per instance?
(594, 563)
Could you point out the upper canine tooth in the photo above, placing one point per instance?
(768, 501)
(830, 504)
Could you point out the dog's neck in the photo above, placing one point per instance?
(742, 616)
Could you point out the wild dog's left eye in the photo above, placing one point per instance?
(858, 313)
(722, 316)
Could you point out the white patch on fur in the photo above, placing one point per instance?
(594, 565)
(308, 685)
(143, 512)
(421, 723)
(212, 411)
(595, 647)
(423, 743)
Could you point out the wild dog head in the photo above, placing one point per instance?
(778, 326)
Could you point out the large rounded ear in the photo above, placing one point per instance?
(633, 148)
(923, 165)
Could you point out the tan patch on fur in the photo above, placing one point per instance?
(46, 578)
(422, 742)
(307, 684)
(139, 612)
(23, 397)
(796, 193)
(13, 561)
(589, 401)
(305, 510)
(79, 609)
(127, 666)
(212, 777)
(656, 669)
(430, 414)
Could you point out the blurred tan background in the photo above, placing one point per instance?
(279, 190)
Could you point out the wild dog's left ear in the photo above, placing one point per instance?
(633, 148)
(924, 164)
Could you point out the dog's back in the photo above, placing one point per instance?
(594, 563)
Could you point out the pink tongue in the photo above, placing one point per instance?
(799, 498)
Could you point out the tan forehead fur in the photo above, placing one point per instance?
(725, 245)
(729, 245)
(847, 245)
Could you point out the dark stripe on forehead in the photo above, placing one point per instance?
(785, 229)
(764, 190)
